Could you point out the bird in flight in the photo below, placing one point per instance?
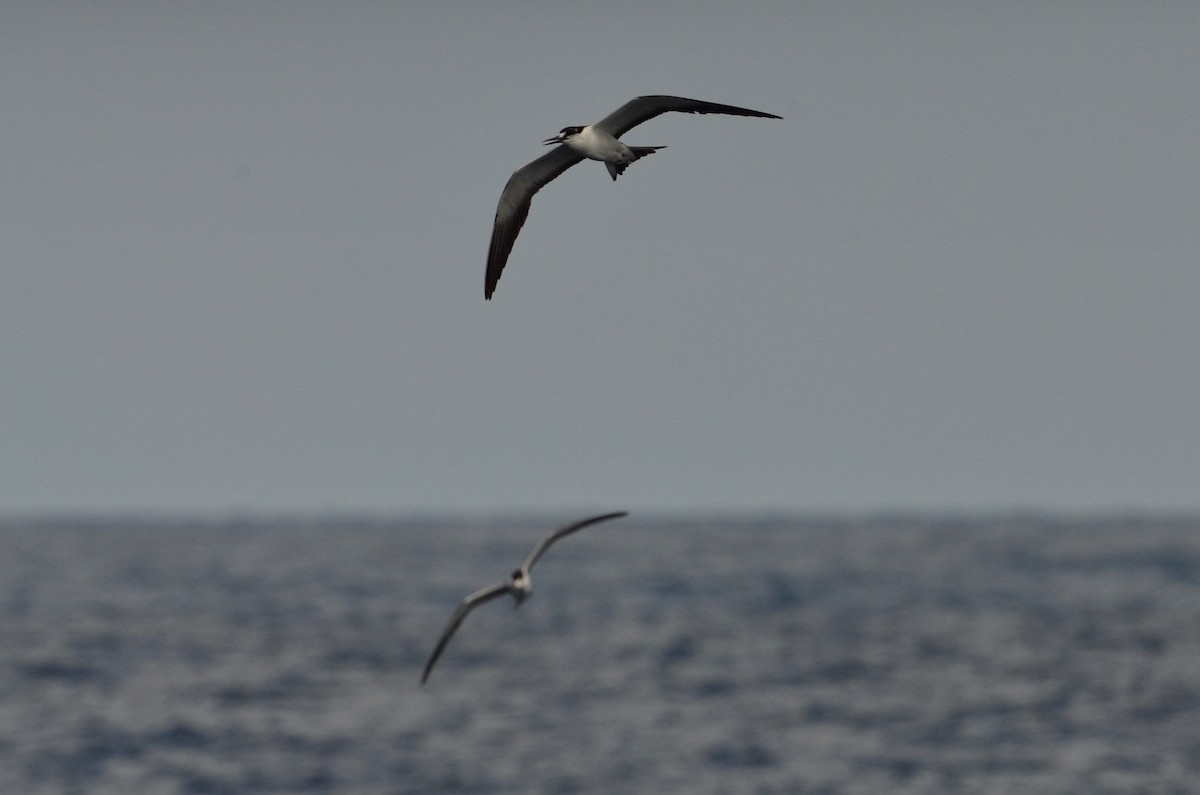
(519, 585)
(594, 141)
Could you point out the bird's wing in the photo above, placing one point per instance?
(514, 206)
(642, 109)
(563, 531)
(460, 612)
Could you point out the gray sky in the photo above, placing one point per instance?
(242, 252)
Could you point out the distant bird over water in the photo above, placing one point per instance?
(594, 141)
(518, 584)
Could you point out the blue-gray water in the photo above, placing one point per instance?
(886, 656)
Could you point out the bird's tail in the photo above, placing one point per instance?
(617, 169)
(642, 151)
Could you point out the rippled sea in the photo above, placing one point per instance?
(889, 655)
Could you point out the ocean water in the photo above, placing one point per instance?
(891, 655)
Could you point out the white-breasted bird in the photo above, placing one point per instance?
(597, 141)
(518, 584)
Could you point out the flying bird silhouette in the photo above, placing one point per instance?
(518, 584)
(594, 141)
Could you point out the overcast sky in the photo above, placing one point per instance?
(242, 253)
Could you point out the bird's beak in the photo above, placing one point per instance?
(555, 140)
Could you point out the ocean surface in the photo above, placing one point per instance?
(886, 655)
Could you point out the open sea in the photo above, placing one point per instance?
(1020, 654)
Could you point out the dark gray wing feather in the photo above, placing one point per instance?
(514, 207)
(545, 543)
(460, 612)
(643, 109)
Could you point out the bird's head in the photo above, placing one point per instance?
(520, 587)
(563, 134)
